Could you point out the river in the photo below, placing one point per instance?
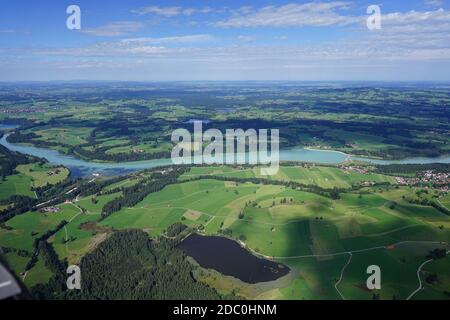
(81, 167)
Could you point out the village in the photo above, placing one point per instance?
(438, 179)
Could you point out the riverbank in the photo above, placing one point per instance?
(306, 155)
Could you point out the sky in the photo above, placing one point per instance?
(139, 40)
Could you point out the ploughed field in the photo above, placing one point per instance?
(370, 222)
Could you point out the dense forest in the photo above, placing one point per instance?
(128, 265)
(10, 160)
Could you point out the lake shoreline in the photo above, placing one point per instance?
(300, 155)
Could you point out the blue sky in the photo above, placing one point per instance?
(224, 40)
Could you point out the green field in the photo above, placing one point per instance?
(31, 176)
(325, 177)
(309, 232)
(18, 184)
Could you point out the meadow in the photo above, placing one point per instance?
(324, 177)
(30, 176)
(302, 230)
(309, 232)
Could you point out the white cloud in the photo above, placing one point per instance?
(413, 30)
(169, 12)
(161, 11)
(291, 15)
(114, 29)
(404, 36)
(414, 17)
(244, 38)
(434, 3)
(413, 38)
(195, 38)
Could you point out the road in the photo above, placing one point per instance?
(8, 285)
(342, 275)
(421, 287)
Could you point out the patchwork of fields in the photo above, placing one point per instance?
(317, 237)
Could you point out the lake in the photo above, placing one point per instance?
(80, 167)
(229, 258)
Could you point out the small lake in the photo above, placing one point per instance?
(229, 258)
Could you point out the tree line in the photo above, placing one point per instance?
(136, 193)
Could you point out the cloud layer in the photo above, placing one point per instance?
(257, 42)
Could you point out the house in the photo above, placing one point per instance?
(50, 210)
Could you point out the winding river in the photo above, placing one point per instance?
(81, 167)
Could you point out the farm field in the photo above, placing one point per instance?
(284, 224)
(30, 176)
(314, 235)
(324, 177)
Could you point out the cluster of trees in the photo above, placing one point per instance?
(9, 160)
(437, 254)
(38, 243)
(18, 137)
(100, 154)
(427, 202)
(396, 169)
(87, 189)
(409, 149)
(48, 191)
(19, 252)
(175, 229)
(56, 287)
(137, 192)
(18, 204)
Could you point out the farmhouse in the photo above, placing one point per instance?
(50, 209)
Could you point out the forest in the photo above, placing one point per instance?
(129, 266)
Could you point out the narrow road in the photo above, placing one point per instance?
(418, 277)
(65, 229)
(342, 275)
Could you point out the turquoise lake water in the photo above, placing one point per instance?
(81, 167)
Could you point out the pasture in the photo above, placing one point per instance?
(324, 177)
(311, 233)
